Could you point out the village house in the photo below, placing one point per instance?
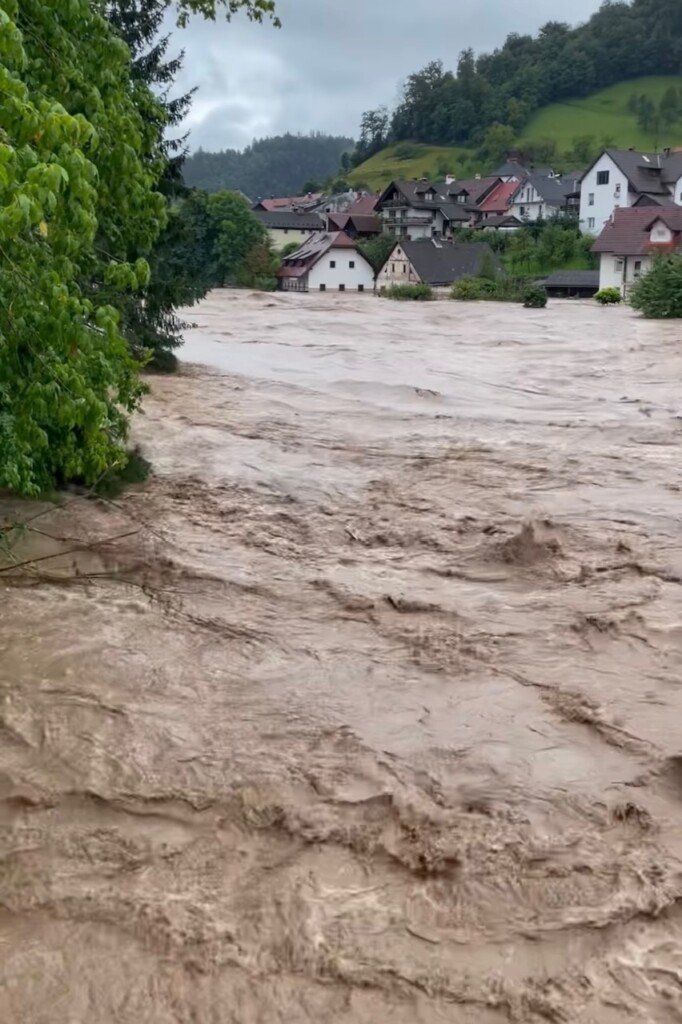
(427, 209)
(434, 262)
(541, 196)
(630, 241)
(327, 261)
(496, 205)
(622, 178)
(356, 225)
(286, 226)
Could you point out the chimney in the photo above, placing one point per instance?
(478, 177)
(666, 152)
(450, 179)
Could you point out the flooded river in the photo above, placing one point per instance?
(372, 709)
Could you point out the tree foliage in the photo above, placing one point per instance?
(279, 165)
(79, 210)
(621, 41)
(658, 293)
(376, 250)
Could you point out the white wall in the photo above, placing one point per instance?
(396, 270)
(528, 200)
(593, 217)
(621, 272)
(332, 276)
(677, 191)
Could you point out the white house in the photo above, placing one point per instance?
(327, 262)
(428, 209)
(626, 178)
(541, 196)
(629, 242)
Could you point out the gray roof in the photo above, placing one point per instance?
(291, 219)
(510, 169)
(573, 279)
(501, 220)
(441, 263)
(644, 171)
(415, 193)
(554, 191)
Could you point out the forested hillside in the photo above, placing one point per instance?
(503, 89)
(274, 166)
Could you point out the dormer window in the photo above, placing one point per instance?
(461, 198)
(430, 196)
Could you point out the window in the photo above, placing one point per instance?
(332, 263)
(638, 268)
(590, 199)
(286, 231)
(323, 287)
(393, 268)
(404, 268)
(618, 189)
(351, 264)
(603, 177)
(342, 287)
(618, 265)
(590, 224)
(461, 199)
(361, 287)
(522, 211)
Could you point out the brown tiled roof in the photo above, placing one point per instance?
(288, 202)
(498, 200)
(364, 223)
(627, 234)
(364, 205)
(291, 219)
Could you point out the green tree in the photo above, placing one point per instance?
(658, 294)
(236, 231)
(522, 250)
(669, 108)
(497, 141)
(377, 250)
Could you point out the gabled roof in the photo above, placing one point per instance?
(644, 171)
(505, 220)
(509, 168)
(301, 261)
(364, 224)
(364, 205)
(415, 192)
(290, 219)
(628, 232)
(553, 191)
(441, 263)
(498, 199)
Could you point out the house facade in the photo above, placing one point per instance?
(434, 262)
(327, 262)
(286, 226)
(542, 196)
(631, 239)
(425, 209)
(625, 178)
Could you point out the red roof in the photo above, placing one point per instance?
(364, 205)
(628, 232)
(498, 200)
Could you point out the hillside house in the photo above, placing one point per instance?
(285, 226)
(622, 178)
(434, 262)
(427, 209)
(541, 196)
(326, 262)
(629, 242)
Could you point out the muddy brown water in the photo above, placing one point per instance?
(378, 716)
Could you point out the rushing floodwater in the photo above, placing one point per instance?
(377, 716)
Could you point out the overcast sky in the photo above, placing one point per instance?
(333, 59)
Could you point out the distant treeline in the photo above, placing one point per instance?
(621, 41)
(274, 166)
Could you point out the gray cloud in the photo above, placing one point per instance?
(332, 60)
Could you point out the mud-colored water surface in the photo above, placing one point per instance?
(372, 712)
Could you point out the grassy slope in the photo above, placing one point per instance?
(603, 114)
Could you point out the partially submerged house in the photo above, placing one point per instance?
(434, 262)
(630, 241)
(328, 261)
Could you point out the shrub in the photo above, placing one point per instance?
(467, 289)
(407, 292)
(534, 297)
(658, 294)
(608, 296)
